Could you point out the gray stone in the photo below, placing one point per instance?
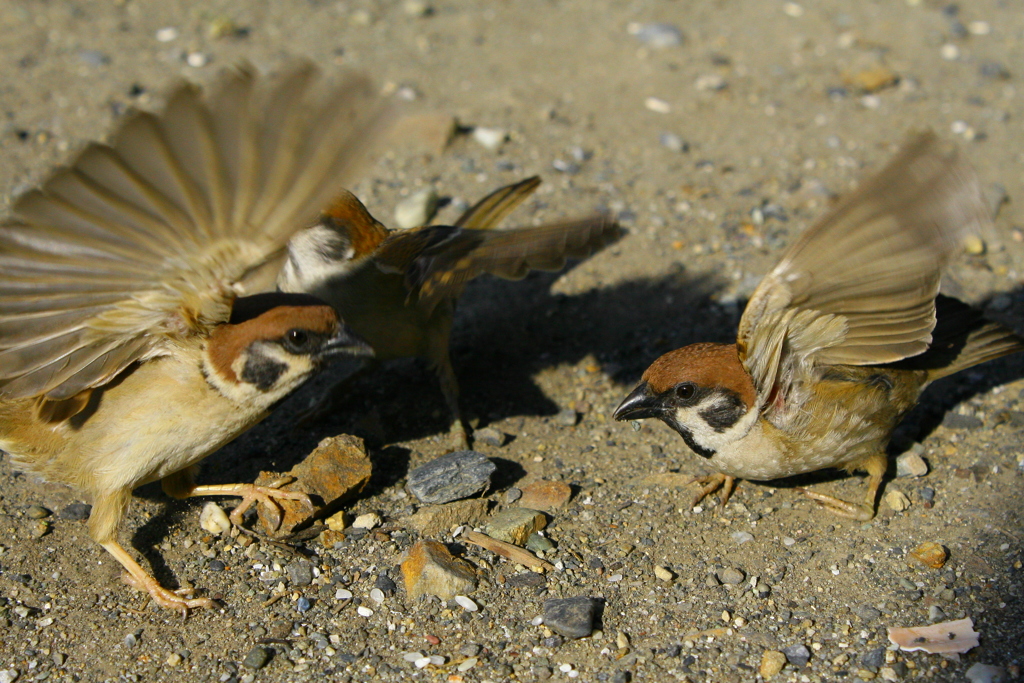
(256, 658)
(470, 650)
(985, 673)
(866, 612)
(451, 477)
(300, 573)
(797, 655)
(567, 417)
(76, 512)
(657, 35)
(489, 436)
(731, 576)
(571, 617)
(873, 659)
(958, 421)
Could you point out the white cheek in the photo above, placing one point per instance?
(705, 435)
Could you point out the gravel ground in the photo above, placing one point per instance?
(715, 153)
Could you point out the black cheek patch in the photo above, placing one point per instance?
(725, 413)
(262, 371)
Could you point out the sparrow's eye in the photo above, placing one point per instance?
(685, 391)
(297, 341)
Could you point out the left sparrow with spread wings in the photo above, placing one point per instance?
(129, 350)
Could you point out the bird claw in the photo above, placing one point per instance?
(459, 436)
(265, 495)
(179, 600)
(711, 483)
(837, 506)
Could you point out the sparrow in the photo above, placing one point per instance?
(398, 288)
(837, 343)
(134, 336)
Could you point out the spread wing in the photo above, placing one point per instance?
(490, 210)
(859, 287)
(149, 238)
(450, 256)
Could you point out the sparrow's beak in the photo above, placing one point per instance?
(348, 342)
(641, 403)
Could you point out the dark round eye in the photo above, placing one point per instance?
(296, 340)
(685, 391)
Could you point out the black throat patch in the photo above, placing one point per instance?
(687, 435)
(261, 370)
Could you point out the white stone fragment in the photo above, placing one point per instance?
(491, 138)
(416, 209)
(370, 520)
(166, 34)
(364, 611)
(214, 519)
(466, 603)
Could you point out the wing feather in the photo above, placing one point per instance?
(151, 236)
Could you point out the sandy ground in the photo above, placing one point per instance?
(763, 99)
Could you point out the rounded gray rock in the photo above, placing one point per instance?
(451, 477)
(571, 617)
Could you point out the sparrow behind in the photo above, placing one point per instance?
(129, 350)
(837, 343)
(398, 288)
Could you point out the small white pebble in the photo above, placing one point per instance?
(343, 594)
(657, 105)
(364, 611)
(791, 9)
(377, 595)
(412, 656)
(468, 664)
(565, 668)
(166, 34)
(491, 138)
(573, 674)
(615, 578)
(536, 621)
(422, 662)
(950, 52)
(466, 603)
(436, 660)
(871, 101)
(214, 519)
(197, 59)
(979, 28)
(370, 520)
(788, 542)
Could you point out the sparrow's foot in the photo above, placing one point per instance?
(712, 483)
(836, 506)
(458, 436)
(250, 493)
(137, 577)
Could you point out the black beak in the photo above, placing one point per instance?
(348, 342)
(641, 403)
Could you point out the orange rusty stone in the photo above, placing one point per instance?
(930, 554)
(545, 495)
(430, 569)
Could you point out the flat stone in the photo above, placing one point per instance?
(525, 580)
(910, 464)
(772, 662)
(545, 495)
(797, 655)
(256, 658)
(657, 35)
(428, 132)
(571, 617)
(417, 209)
(958, 421)
(873, 659)
(567, 417)
(985, 673)
(489, 436)
(385, 584)
(438, 520)
(37, 512)
(515, 525)
(866, 612)
(930, 554)
(897, 500)
(430, 569)
(731, 576)
(337, 470)
(537, 543)
(76, 512)
(451, 477)
(300, 573)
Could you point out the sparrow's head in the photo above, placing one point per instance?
(701, 391)
(333, 247)
(272, 344)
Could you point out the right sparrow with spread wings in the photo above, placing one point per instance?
(837, 343)
(398, 288)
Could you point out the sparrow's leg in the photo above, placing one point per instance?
(876, 466)
(107, 510)
(181, 485)
(712, 483)
(328, 403)
(450, 389)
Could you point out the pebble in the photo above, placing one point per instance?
(873, 659)
(417, 8)
(417, 209)
(216, 566)
(385, 585)
(537, 543)
(470, 650)
(343, 594)
(656, 35)
(466, 603)
(370, 520)
(256, 658)
(364, 611)
(197, 59)
(992, 69)
(985, 673)
(930, 554)
(94, 57)
(413, 656)
(339, 521)
(567, 417)
(711, 82)
(935, 614)
(303, 604)
(910, 464)
(377, 595)
(957, 421)
(742, 537)
(37, 512)
(430, 569)
(656, 104)
(166, 34)
(772, 662)
(212, 518)
(437, 520)
(797, 655)
(76, 512)
(974, 245)
(866, 612)
(663, 573)
(451, 477)
(467, 664)
(545, 495)
(731, 576)
(673, 143)
(513, 494)
(571, 617)
(490, 138)
(515, 525)
(897, 500)
(489, 436)
(300, 573)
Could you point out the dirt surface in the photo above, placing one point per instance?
(767, 103)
